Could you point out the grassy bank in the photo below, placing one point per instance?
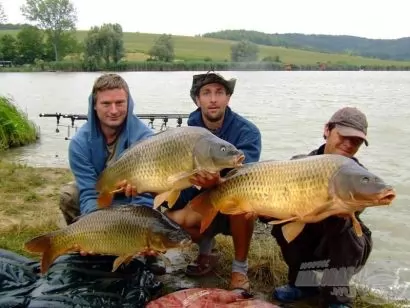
(208, 51)
(15, 128)
(30, 207)
(150, 66)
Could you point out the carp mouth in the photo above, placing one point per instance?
(383, 198)
(386, 197)
(238, 160)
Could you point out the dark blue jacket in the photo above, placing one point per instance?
(87, 154)
(235, 129)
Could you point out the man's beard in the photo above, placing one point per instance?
(214, 118)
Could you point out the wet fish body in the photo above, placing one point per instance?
(299, 191)
(207, 298)
(164, 163)
(122, 231)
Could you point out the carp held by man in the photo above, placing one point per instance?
(164, 163)
(295, 192)
(122, 231)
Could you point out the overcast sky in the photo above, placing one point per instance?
(365, 18)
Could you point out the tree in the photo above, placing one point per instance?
(3, 16)
(117, 47)
(104, 42)
(8, 48)
(68, 44)
(54, 16)
(30, 44)
(244, 51)
(163, 48)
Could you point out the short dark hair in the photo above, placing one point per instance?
(109, 82)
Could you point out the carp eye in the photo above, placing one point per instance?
(365, 180)
(223, 148)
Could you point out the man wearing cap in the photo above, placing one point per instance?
(332, 243)
(211, 93)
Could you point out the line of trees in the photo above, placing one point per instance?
(51, 37)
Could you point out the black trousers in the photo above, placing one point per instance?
(326, 255)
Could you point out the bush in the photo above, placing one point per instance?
(15, 128)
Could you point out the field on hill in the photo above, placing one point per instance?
(191, 48)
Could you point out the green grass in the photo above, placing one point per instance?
(15, 128)
(191, 48)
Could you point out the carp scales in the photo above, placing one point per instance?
(164, 163)
(125, 232)
(299, 191)
(208, 298)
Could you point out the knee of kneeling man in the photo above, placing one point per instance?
(174, 216)
(67, 201)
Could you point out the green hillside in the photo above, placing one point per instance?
(190, 48)
(386, 49)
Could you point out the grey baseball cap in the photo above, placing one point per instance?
(200, 80)
(350, 122)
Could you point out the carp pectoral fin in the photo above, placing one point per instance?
(317, 210)
(181, 179)
(170, 196)
(236, 207)
(356, 226)
(120, 260)
(160, 198)
(173, 197)
(208, 218)
(203, 206)
(292, 230)
(321, 216)
(277, 222)
(104, 199)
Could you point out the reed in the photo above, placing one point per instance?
(15, 128)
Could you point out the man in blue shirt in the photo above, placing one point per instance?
(211, 93)
(110, 129)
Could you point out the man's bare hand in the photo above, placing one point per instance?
(205, 179)
(127, 188)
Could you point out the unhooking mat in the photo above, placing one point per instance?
(74, 281)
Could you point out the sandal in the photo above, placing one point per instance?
(239, 282)
(202, 265)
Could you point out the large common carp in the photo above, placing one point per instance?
(299, 191)
(125, 231)
(164, 163)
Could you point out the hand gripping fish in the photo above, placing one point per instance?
(299, 191)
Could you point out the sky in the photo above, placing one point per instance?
(378, 19)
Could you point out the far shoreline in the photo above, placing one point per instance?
(182, 66)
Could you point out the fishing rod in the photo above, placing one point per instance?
(148, 116)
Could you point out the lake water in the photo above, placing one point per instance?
(290, 108)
